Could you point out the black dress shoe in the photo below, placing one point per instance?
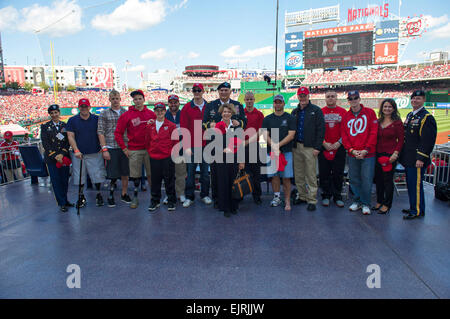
(382, 212)
(234, 211)
(406, 211)
(69, 204)
(311, 207)
(63, 209)
(412, 216)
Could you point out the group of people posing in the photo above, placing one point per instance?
(171, 143)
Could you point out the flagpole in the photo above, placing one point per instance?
(55, 84)
(276, 50)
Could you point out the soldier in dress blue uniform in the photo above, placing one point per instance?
(420, 137)
(211, 117)
(56, 146)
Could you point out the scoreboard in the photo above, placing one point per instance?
(339, 50)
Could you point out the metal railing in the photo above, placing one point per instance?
(439, 171)
(12, 168)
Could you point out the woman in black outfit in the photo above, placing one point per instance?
(228, 169)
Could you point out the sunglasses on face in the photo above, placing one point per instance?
(353, 98)
(196, 90)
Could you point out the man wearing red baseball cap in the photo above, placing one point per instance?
(310, 132)
(82, 134)
(11, 157)
(134, 123)
(159, 144)
(191, 117)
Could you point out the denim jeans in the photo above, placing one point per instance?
(361, 174)
(204, 177)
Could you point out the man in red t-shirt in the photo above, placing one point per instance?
(332, 157)
(252, 164)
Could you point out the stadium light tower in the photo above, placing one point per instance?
(2, 69)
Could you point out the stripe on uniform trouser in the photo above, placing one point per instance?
(418, 191)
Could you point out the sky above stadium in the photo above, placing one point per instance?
(170, 34)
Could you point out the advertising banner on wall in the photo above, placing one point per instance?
(294, 60)
(102, 77)
(14, 74)
(80, 77)
(294, 41)
(386, 53)
(387, 31)
(38, 75)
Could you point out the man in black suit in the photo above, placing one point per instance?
(420, 137)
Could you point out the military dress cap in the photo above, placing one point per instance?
(224, 85)
(53, 107)
(418, 93)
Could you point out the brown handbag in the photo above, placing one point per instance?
(241, 185)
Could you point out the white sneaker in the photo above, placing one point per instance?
(354, 207)
(182, 198)
(187, 203)
(207, 200)
(366, 210)
(276, 201)
(166, 200)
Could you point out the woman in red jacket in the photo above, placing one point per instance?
(159, 144)
(389, 144)
(229, 167)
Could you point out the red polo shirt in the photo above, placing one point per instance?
(254, 120)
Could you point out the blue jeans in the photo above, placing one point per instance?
(204, 177)
(361, 174)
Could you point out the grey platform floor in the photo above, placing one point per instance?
(262, 252)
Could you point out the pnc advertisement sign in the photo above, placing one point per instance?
(386, 53)
(387, 31)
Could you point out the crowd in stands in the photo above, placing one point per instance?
(26, 108)
(378, 75)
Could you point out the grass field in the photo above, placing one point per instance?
(442, 120)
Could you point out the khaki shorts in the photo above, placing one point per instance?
(137, 158)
